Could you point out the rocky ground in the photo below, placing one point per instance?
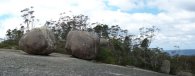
(18, 63)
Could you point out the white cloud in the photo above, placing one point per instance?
(173, 5)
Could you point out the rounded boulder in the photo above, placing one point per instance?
(82, 44)
(38, 41)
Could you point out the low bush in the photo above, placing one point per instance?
(105, 55)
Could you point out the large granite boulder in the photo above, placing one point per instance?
(165, 67)
(82, 44)
(39, 41)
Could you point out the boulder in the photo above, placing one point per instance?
(181, 73)
(103, 41)
(39, 41)
(82, 44)
(165, 67)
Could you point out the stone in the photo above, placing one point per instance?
(181, 73)
(38, 41)
(165, 67)
(103, 41)
(82, 44)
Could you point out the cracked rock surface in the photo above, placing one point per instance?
(18, 63)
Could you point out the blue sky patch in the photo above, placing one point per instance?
(152, 10)
(5, 16)
(110, 7)
(146, 9)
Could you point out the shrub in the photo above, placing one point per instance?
(9, 44)
(61, 47)
(106, 56)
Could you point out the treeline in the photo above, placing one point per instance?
(12, 38)
(118, 46)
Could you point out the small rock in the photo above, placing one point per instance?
(181, 73)
(165, 68)
(103, 41)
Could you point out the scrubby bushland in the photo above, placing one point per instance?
(12, 39)
(182, 63)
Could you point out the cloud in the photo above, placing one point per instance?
(172, 5)
(185, 4)
(9, 24)
(126, 4)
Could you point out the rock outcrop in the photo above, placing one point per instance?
(165, 67)
(181, 73)
(82, 44)
(39, 41)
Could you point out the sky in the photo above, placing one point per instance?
(174, 18)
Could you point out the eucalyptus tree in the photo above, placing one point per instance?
(147, 34)
(28, 16)
(102, 30)
(66, 23)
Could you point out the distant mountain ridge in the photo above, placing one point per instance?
(186, 52)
